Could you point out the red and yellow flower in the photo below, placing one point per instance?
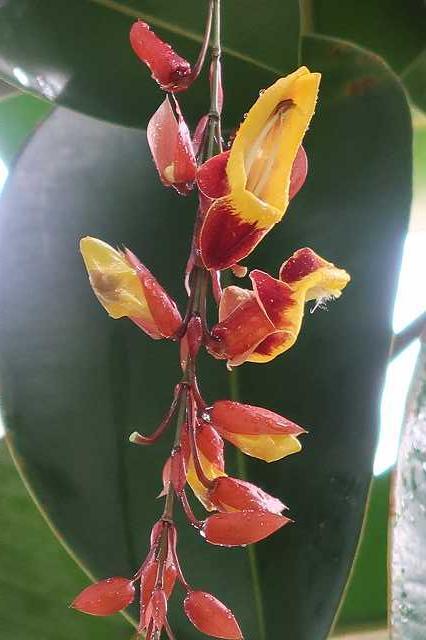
(257, 432)
(250, 186)
(125, 287)
(259, 325)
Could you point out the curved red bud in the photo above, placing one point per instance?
(235, 417)
(240, 528)
(171, 147)
(299, 171)
(171, 71)
(210, 616)
(106, 597)
(232, 494)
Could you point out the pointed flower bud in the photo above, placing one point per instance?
(125, 287)
(171, 147)
(232, 494)
(106, 597)
(259, 170)
(259, 325)
(240, 528)
(257, 432)
(169, 70)
(210, 616)
(155, 611)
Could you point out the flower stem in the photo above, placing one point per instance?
(200, 276)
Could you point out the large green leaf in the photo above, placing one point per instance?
(75, 384)
(39, 579)
(395, 29)
(19, 114)
(408, 517)
(78, 54)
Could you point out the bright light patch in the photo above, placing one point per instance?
(3, 174)
(409, 304)
(21, 76)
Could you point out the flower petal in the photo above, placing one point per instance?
(236, 337)
(240, 528)
(306, 271)
(116, 284)
(106, 597)
(210, 616)
(171, 147)
(299, 171)
(266, 145)
(212, 180)
(269, 448)
(235, 417)
(232, 494)
(171, 71)
(162, 307)
(228, 234)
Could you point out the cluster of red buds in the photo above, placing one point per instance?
(243, 192)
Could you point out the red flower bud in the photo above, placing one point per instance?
(105, 597)
(210, 616)
(232, 494)
(171, 147)
(148, 578)
(156, 610)
(240, 528)
(171, 71)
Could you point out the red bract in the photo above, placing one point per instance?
(235, 417)
(210, 616)
(171, 71)
(232, 494)
(105, 597)
(241, 527)
(171, 147)
(156, 610)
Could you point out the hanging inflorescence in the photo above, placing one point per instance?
(243, 192)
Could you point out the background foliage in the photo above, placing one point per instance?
(73, 381)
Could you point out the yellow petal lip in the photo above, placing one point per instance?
(267, 143)
(268, 448)
(114, 281)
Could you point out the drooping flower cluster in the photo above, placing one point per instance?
(243, 192)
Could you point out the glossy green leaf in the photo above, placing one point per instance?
(408, 517)
(39, 579)
(19, 114)
(365, 601)
(76, 383)
(395, 29)
(78, 54)
(414, 78)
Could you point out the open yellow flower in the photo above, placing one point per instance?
(249, 187)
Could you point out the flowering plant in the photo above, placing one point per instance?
(243, 191)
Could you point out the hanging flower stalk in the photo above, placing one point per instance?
(243, 192)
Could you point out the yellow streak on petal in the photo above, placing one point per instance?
(114, 281)
(268, 448)
(211, 471)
